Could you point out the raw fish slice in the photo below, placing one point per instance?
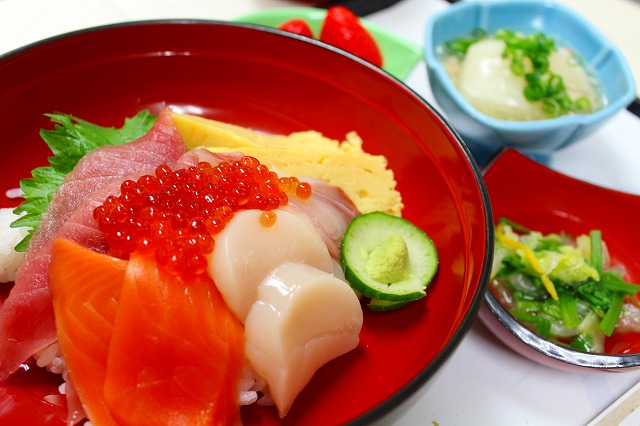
(246, 252)
(329, 209)
(176, 353)
(26, 317)
(302, 319)
(85, 287)
(81, 226)
(7, 403)
(102, 168)
(214, 158)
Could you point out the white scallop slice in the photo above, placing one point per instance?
(303, 318)
(246, 252)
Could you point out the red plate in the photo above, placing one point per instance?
(275, 82)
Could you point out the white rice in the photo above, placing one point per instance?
(51, 358)
(55, 399)
(9, 237)
(251, 387)
(14, 193)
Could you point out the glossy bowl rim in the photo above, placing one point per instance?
(524, 127)
(476, 303)
(563, 354)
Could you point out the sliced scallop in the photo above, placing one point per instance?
(247, 251)
(303, 318)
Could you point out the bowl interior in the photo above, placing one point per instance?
(273, 82)
(542, 199)
(570, 29)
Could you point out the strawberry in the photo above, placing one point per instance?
(342, 28)
(297, 26)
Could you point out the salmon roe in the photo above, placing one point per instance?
(176, 213)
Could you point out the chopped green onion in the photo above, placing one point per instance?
(608, 323)
(514, 225)
(536, 88)
(582, 105)
(459, 46)
(569, 310)
(542, 325)
(614, 282)
(551, 106)
(549, 307)
(598, 297)
(596, 250)
(529, 58)
(583, 342)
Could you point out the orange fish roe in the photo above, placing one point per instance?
(303, 190)
(176, 213)
(268, 219)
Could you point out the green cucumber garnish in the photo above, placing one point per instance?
(382, 305)
(387, 259)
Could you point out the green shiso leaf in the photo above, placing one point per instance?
(69, 141)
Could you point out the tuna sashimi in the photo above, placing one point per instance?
(176, 353)
(26, 317)
(85, 287)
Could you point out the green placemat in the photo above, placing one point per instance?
(399, 56)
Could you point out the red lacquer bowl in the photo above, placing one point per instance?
(540, 198)
(274, 82)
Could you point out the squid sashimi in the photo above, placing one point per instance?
(303, 318)
(26, 317)
(85, 287)
(176, 353)
(247, 251)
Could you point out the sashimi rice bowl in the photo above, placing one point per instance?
(214, 262)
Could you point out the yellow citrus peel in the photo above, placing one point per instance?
(530, 256)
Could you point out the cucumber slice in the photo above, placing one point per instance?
(383, 305)
(387, 258)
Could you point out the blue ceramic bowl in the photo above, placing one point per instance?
(486, 135)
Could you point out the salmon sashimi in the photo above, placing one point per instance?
(26, 317)
(85, 287)
(176, 353)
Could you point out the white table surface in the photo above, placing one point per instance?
(483, 382)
